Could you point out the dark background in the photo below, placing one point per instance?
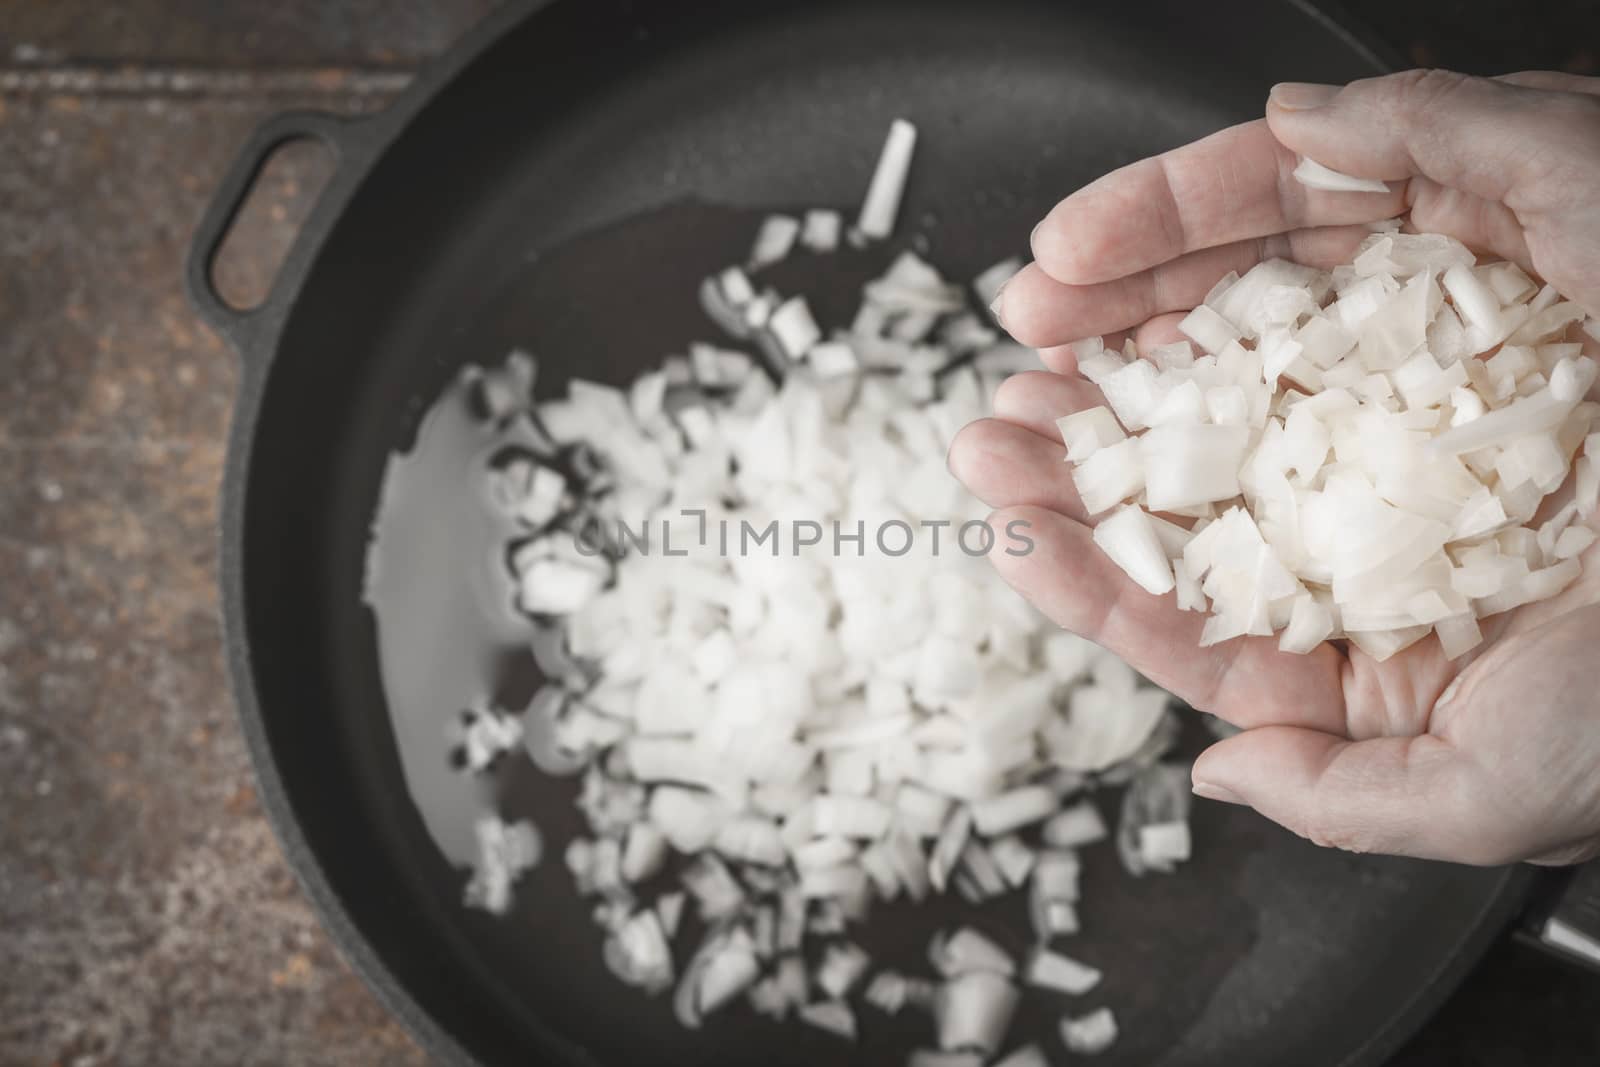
(146, 915)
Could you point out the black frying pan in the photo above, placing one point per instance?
(572, 135)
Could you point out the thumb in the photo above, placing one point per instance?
(1491, 138)
(1411, 796)
(1528, 149)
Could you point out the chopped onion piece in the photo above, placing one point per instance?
(833, 1016)
(1458, 634)
(979, 866)
(845, 816)
(1091, 1034)
(930, 1058)
(1052, 970)
(638, 953)
(1011, 811)
(947, 850)
(833, 359)
(723, 968)
(824, 852)
(1014, 858)
(1055, 875)
(820, 230)
(505, 852)
(1381, 644)
(793, 328)
(1110, 475)
(767, 998)
(919, 811)
(708, 880)
(1208, 329)
(1314, 175)
(751, 839)
(1075, 827)
(1129, 539)
(882, 203)
(688, 818)
(1310, 624)
(1053, 918)
(643, 853)
(1086, 432)
(1189, 465)
(843, 965)
(967, 950)
(1101, 365)
(1133, 391)
(886, 992)
(669, 910)
(1323, 342)
(1026, 1056)
(973, 1011)
(773, 241)
(836, 882)
(1573, 542)
(1163, 844)
(1529, 415)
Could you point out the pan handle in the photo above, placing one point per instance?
(1565, 920)
(237, 325)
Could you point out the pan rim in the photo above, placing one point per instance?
(1500, 907)
(379, 133)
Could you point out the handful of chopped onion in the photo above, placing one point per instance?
(1365, 453)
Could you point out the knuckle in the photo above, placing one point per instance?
(1418, 99)
(1330, 832)
(1580, 114)
(1416, 94)
(1561, 153)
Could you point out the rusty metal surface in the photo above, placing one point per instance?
(146, 915)
(231, 33)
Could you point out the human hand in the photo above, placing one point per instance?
(1491, 758)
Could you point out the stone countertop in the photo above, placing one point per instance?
(146, 915)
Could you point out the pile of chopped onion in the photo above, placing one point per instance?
(772, 744)
(1363, 453)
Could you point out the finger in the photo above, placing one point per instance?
(1486, 137)
(1410, 796)
(1038, 310)
(1147, 337)
(1005, 466)
(1234, 185)
(1063, 360)
(1552, 81)
(1161, 330)
(1246, 681)
(1035, 399)
(1059, 359)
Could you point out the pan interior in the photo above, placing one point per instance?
(565, 194)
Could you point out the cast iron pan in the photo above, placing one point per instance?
(560, 183)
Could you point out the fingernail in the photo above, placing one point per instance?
(1033, 234)
(995, 308)
(1302, 96)
(1212, 791)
